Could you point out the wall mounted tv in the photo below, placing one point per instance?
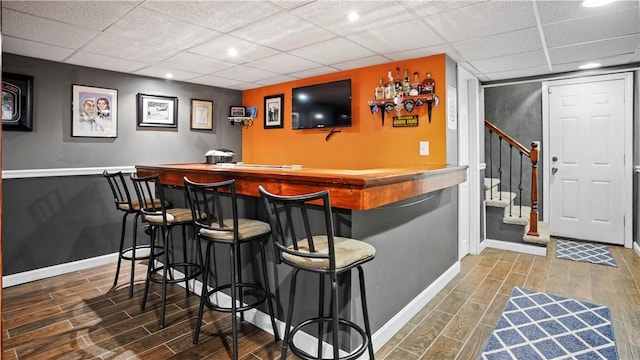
(325, 105)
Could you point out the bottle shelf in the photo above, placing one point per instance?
(422, 97)
(406, 104)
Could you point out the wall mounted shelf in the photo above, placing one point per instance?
(246, 121)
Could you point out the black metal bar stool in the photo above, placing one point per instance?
(162, 220)
(307, 244)
(215, 212)
(124, 203)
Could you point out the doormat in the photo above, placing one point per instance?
(535, 325)
(585, 252)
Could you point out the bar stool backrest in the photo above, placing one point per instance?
(214, 206)
(298, 234)
(150, 197)
(120, 190)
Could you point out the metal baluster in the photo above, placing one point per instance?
(500, 169)
(520, 184)
(491, 163)
(510, 176)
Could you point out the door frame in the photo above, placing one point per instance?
(628, 144)
(469, 154)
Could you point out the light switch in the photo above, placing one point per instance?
(424, 148)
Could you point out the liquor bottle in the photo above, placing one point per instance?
(398, 82)
(415, 85)
(379, 92)
(428, 85)
(406, 85)
(390, 87)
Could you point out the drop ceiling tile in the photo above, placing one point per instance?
(160, 72)
(247, 51)
(407, 35)
(245, 74)
(223, 16)
(97, 15)
(276, 80)
(196, 63)
(373, 15)
(104, 62)
(421, 52)
(290, 4)
(513, 74)
(34, 49)
(332, 51)
(483, 19)
(358, 63)
(284, 63)
(283, 31)
(322, 70)
(611, 61)
(55, 33)
(500, 44)
(128, 49)
(510, 62)
(215, 81)
(424, 9)
(155, 28)
(558, 11)
(595, 50)
(594, 28)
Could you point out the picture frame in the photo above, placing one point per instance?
(94, 111)
(237, 111)
(201, 114)
(157, 111)
(17, 102)
(273, 111)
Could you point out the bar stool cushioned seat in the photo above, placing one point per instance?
(150, 194)
(211, 202)
(303, 233)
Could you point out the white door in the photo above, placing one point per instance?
(587, 160)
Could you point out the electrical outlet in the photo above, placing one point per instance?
(424, 148)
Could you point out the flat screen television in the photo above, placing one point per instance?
(325, 105)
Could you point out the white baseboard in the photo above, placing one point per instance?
(636, 248)
(55, 270)
(388, 330)
(521, 248)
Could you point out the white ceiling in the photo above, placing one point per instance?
(279, 41)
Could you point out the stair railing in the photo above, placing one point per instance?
(533, 157)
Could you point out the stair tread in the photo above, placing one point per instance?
(543, 234)
(490, 182)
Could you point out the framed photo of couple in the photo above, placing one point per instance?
(94, 112)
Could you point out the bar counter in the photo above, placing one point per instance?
(350, 189)
(409, 214)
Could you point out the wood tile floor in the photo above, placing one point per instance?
(79, 316)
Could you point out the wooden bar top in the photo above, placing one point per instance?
(350, 189)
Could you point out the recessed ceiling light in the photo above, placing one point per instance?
(232, 52)
(596, 3)
(589, 66)
(169, 75)
(353, 16)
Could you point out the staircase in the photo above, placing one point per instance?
(515, 215)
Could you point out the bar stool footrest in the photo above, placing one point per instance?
(349, 324)
(196, 270)
(259, 294)
(123, 254)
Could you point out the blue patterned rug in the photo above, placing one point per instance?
(586, 252)
(538, 326)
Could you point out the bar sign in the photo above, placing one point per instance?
(405, 121)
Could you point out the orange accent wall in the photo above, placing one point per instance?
(366, 144)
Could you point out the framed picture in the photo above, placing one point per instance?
(237, 111)
(201, 114)
(157, 111)
(17, 102)
(273, 111)
(94, 112)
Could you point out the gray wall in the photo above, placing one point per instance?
(53, 220)
(50, 144)
(516, 109)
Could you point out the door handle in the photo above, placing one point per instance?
(555, 158)
(554, 170)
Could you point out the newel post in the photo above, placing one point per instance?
(533, 216)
